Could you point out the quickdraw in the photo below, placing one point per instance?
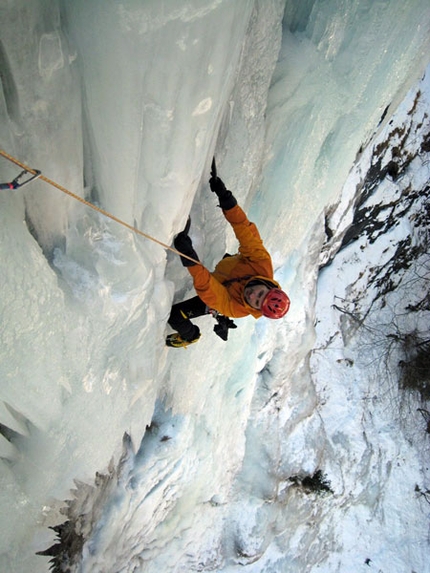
(16, 184)
(35, 174)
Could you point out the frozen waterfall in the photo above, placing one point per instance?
(169, 460)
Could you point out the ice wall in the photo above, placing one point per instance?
(84, 303)
(313, 136)
(341, 65)
(125, 104)
(41, 110)
(162, 76)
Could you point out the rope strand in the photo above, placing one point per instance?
(94, 207)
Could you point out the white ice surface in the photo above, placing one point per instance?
(125, 103)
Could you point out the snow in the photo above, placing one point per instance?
(353, 360)
(182, 460)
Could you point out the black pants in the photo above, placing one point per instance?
(181, 313)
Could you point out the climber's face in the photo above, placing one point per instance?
(255, 294)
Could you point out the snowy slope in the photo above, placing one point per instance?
(182, 461)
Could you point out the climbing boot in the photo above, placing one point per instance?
(176, 341)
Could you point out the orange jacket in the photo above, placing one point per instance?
(223, 289)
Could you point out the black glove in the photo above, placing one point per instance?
(217, 186)
(224, 323)
(184, 245)
(226, 198)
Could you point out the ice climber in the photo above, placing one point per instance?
(240, 285)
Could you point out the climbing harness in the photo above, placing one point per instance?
(35, 174)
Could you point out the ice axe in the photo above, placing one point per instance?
(213, 169)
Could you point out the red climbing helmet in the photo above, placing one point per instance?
(275, 304)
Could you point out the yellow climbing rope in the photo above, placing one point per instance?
(94, 207)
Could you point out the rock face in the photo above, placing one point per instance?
(84, 511)
(371, 359)
(377, 247)
(382, 219)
